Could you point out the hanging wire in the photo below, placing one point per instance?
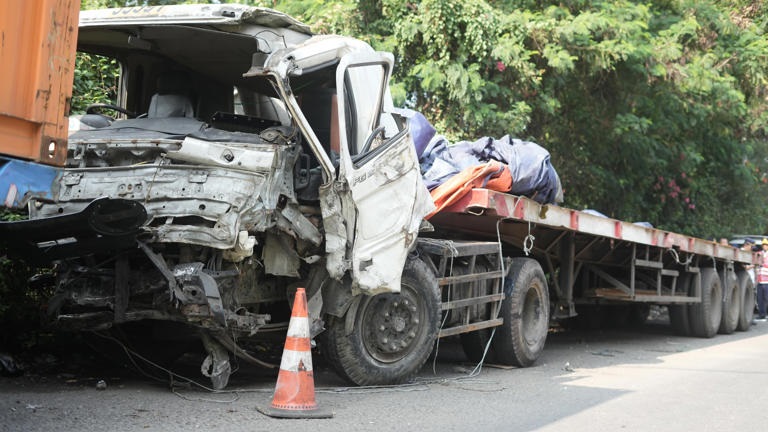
(528, 242)
(676, 256)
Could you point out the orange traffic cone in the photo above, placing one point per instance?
(295, 389)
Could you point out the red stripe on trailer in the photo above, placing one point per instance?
(574, 219)
(500, 205)
(617, 229)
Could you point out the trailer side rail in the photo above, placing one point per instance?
(594, 258)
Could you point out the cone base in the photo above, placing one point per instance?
(316, 413)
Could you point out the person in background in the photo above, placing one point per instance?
(748, 246)
(762, 282)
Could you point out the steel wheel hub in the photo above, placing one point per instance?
(391, 324)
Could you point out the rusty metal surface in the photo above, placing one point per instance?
(37, 59)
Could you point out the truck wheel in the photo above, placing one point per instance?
(704, 317)
(678, 313)
(520, 339)
(731, 306)
(747, 300)
(474, 344)
(390, 335)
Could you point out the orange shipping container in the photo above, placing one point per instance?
(37, 61)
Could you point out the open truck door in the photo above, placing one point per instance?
(380, 165)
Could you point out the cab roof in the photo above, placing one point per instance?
(224, 14)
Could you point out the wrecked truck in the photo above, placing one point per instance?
(244, 157)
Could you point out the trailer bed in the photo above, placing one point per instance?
(594, 258)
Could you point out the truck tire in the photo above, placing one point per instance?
(731, 305)
(474, 343)
(747, 300)
(678, 313)
(391, 334)
(704, 317)
(519, 341)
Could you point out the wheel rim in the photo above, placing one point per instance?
(391, 324)
(533, 316)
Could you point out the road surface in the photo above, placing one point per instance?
(635, 380)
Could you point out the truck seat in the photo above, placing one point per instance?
(172, 97)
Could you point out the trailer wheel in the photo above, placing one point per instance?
(520, 339)
(678, 313)
(474, 344)
(731, 306)
(390, 335)
(746, 297)
(704, 317)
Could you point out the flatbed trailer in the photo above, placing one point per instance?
(589, 263)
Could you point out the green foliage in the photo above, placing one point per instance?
(651, 111)
(96, 81)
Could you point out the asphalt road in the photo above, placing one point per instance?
(633, 380)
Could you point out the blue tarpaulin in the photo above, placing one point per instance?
(532, 173)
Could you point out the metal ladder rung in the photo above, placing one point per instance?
(470, 327)
(472, 277)
(472, 301)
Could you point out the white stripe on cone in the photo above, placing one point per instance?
(298, 327)
(292, 359)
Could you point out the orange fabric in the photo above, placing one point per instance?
(491, 175)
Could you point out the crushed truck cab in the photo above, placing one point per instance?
(244, 157)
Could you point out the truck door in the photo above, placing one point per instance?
(379, 164)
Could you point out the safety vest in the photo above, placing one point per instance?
(762, 271)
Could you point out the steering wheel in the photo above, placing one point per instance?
(369, 141)
(96, 109)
